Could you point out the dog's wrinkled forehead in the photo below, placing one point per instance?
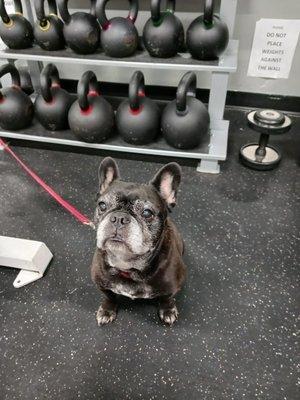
(129, 193)
(161, 190)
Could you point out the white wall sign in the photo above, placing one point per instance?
(273, 47)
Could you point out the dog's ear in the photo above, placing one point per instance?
(166, 182)
(108, 172)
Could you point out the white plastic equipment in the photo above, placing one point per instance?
(28, 255)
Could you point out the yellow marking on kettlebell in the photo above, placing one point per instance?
(46, 27)
(9, 24)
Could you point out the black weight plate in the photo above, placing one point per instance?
(269, 117)
(254, 121)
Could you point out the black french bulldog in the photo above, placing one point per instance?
(139, 249)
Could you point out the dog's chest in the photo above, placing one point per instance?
(133, 290)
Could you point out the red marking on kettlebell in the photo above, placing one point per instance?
(52, 101)
(141, 93)
(93, 93)
(137, 111)
(87, 111)
(106, 25)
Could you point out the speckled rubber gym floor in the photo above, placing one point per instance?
(236, 335)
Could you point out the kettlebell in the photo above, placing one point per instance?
(185, 120)
(163, 34)
(52, 105)
(48, 29)
(138, 118)
(119, 37)
(81, 29)
(207, 36)
(91, 117)
(16, 108)
(15, 30)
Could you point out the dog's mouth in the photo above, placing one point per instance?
(124, 274)
(116, 240)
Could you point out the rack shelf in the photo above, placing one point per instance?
(212, 150)
(208, 150)
(183, 61)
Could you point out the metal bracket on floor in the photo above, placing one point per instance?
(30, 256)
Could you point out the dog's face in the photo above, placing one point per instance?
(131, 217)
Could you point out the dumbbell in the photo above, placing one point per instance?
(262, 156)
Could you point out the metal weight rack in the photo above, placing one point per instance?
(210, 152)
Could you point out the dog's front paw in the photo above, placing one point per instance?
(105, 316)
(168, 315)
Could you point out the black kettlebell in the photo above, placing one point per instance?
(48, 29)
(119, 37)
(207, 36)
(15, 30)
(81, 29)
(138, 118)
(91, 117)
(16, 108)
(52, 105)
(163, 34)
(185, 120)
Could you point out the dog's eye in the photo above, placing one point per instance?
(102, 206)
(147, 214)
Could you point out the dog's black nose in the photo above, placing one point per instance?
(119, 219)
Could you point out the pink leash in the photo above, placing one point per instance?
(72, 210)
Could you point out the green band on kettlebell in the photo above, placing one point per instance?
(157, 23)
(162, 16)
(208, 25)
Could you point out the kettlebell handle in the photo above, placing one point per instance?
(3, 13)
(102, 18)
(93, 7)
(187, 87)
(136, 87)
(15, 75)
(208, 12)
(88, 83)
(64, 12)
(40, 10)
(155, 9)
(49, 77)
